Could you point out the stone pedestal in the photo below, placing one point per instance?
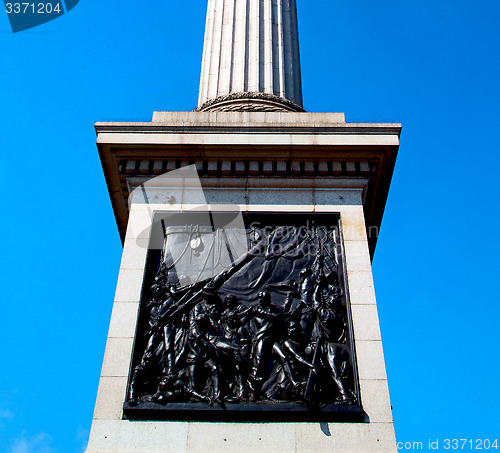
(258, 162)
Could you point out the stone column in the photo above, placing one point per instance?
(251, 56)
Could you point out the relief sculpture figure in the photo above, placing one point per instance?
(154, 347)
(269, 320)
(331, 326)
(271, 329)
(236, 334)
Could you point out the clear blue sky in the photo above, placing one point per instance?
(431, 65)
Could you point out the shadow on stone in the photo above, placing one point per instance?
(325, 428)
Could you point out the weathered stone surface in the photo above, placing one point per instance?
(123, 320)
(109, 404)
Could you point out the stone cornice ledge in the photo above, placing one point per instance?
(299, 127)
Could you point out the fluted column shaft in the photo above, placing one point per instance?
(251, 46)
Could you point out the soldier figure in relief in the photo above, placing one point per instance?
(269, 320)
(331, 326)
(235, 334)
(201, 353)
(155, 339)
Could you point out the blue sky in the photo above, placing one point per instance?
(431, 65)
